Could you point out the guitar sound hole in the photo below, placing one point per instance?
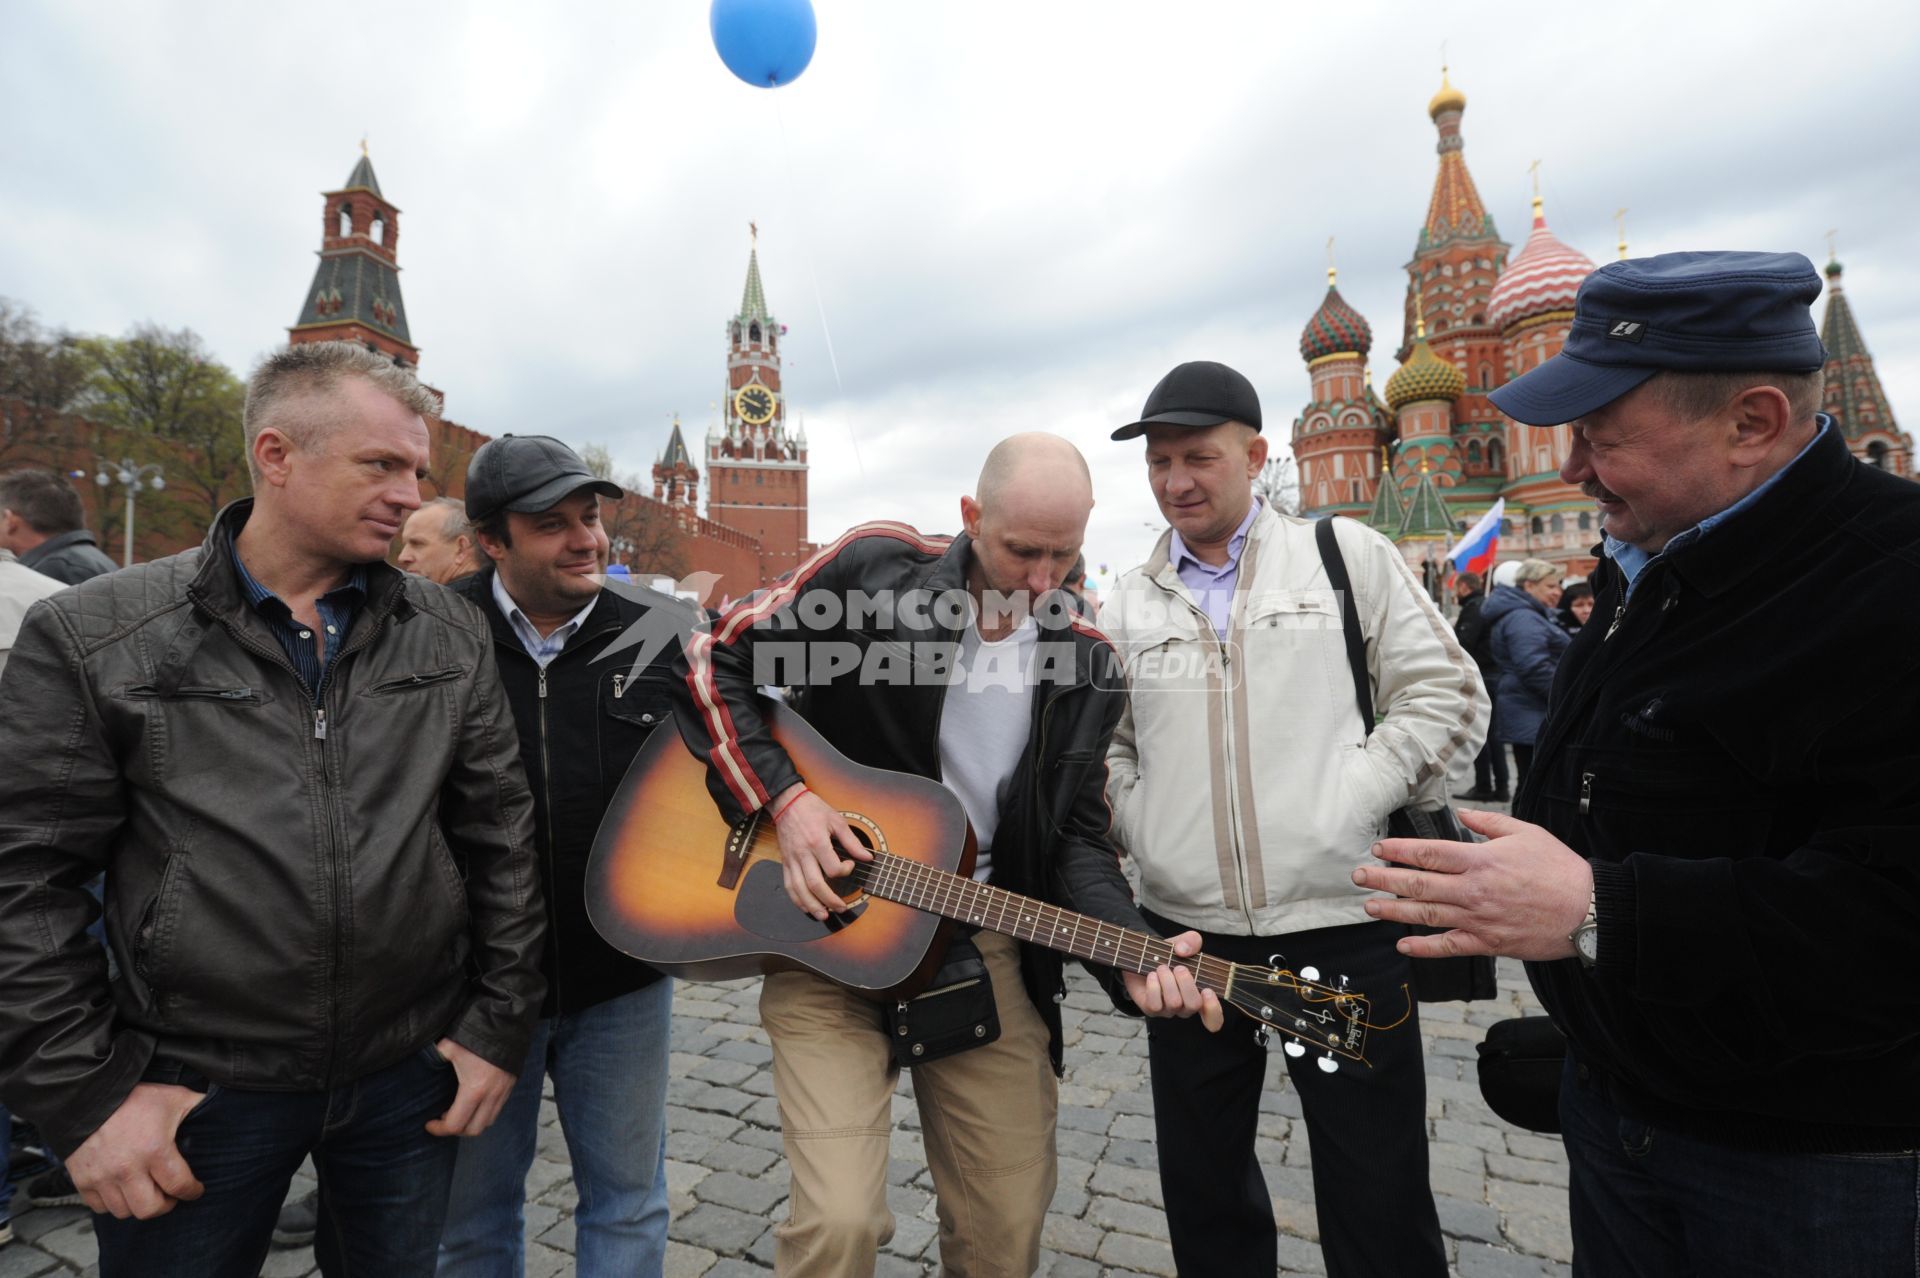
(762, 908)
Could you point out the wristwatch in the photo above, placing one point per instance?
(1586, 937)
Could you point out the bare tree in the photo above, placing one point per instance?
(1278, 483)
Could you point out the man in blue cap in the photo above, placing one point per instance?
(1713, 866)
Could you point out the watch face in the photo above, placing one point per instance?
(754, 403)
(1587, 942)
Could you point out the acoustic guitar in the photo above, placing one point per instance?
(673, 883)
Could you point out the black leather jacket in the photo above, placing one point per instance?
(287, 911)
(72, 557)
(1052, 839)
(581, 722)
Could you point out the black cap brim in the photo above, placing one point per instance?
(1565, 388)
(559, 488)
(1133, 430)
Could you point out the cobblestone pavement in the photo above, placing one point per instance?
(1501, 1191)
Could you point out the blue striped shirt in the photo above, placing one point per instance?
(337, 609)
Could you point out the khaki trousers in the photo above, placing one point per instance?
(986, 1115)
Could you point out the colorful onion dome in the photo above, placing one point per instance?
(1448, 99)
(1543, 277)
(1424, 376)
(1335, 329)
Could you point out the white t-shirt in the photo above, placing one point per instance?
(984, 727)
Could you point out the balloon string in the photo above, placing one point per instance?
(806, 255)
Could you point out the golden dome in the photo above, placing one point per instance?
(1424, 376)
(1448, 99)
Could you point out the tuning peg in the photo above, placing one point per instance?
(1309, 973)
(1327, 1064)
(1294, 1049)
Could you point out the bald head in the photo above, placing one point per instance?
(1028, 515)
(1034, 466)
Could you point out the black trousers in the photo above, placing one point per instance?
(1366, 1127)
(1522, 763)
(1490, 765)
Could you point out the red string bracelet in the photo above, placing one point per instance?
(789, 803)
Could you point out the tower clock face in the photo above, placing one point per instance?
(754, 404)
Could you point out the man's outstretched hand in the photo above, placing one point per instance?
(1520, 894)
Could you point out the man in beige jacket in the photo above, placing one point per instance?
(1246, 788)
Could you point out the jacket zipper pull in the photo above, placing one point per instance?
(543, 683)
(1586, 793)
(319, 724)
(619, 686)
(1620, 610)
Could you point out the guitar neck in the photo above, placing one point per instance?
(895, 878)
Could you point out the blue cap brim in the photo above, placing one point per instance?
(1565, 388)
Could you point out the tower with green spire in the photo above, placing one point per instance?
(355, 294)
(756, 466)
(1854, 397)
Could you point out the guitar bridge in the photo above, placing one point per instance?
(734, 859)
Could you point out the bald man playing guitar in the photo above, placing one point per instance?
(954, 659)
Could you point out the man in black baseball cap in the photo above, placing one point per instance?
(1723, 807)
(1244, 803)
(602, 1032)
(1197, 393)
(527, 473)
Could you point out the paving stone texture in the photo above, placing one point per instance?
(1501, 1191)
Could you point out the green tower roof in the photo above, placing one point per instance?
(1389, 507)
(753, 301)
(1427, 515)
(1854, 397)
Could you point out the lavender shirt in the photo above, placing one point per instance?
(1211, 587)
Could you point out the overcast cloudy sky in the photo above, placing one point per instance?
(1007, 215)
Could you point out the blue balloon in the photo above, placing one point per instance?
(767, 43)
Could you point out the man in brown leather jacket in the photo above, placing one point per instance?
(297, 770)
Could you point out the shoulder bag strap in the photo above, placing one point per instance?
(1336, 566)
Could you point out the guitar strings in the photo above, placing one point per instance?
(955, 897)
(891, 876)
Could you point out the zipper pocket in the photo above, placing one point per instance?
(149, 692)
(903, 1006)
(425, 679)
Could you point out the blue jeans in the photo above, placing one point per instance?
(1650, 1201)
(383, 1180)
(609, 1068)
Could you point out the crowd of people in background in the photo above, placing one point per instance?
(1517, 634)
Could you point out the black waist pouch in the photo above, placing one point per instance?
(1444, 980)
(1520, 1065)
(955, 1013)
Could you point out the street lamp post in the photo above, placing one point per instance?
(131, 475)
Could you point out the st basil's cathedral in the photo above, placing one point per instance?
(1475, 319)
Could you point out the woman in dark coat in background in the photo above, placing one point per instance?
(1576, 605)
(1527, 643)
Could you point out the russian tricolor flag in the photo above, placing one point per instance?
(1476, 550)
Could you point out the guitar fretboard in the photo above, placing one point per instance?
(896, 878)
